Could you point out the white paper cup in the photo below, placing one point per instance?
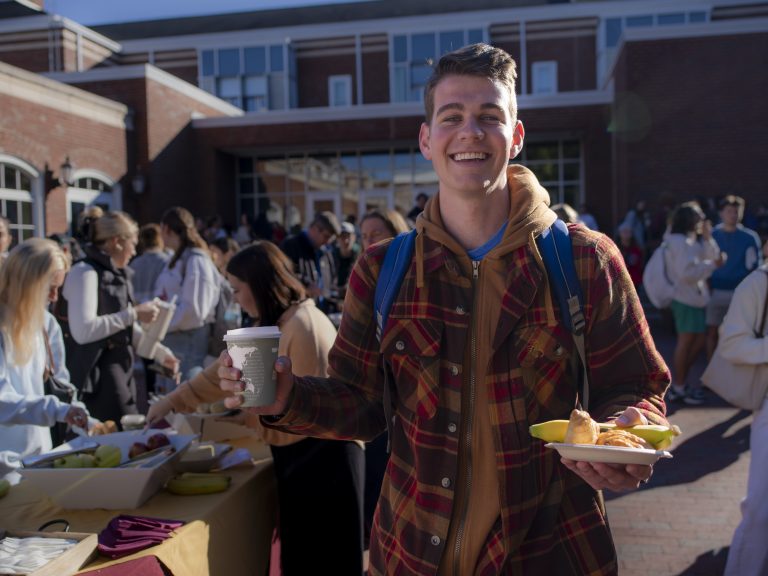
(254, 352)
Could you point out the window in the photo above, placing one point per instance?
(16, 201)
(340, 90)
(90, 188)
(252, 78)
(614, 26)
(557, 165)
(544, 77)
(413, 55)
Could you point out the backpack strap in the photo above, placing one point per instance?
(396, 263)
(557, 253)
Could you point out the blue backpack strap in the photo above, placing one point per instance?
(396, 263)
(557, 253)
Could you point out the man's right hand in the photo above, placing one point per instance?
(230, 381)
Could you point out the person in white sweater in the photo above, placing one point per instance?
(191, 276)
(31, 276)
(101, 323)
(692, 255)
(748, 555)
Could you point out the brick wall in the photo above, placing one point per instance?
(313, 73)
(690, 119)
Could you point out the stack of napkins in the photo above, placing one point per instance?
(127, 534)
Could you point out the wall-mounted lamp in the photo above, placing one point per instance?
(138, 183)
(66, 170)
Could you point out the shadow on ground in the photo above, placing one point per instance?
(711, 563)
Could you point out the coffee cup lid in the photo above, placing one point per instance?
(251, 333)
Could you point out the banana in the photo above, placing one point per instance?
(659, 436)
(190, 483)
(5, 487)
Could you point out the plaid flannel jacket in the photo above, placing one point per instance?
(550, 521)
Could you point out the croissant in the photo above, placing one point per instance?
(623, 438)
(581, 428)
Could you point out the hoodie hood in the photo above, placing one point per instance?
(529, 216)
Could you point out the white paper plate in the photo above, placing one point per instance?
(608, 454)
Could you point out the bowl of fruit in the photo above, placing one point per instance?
(113, 471)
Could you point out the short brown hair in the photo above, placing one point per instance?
(327, 221)
(732, 200)
(474, 60)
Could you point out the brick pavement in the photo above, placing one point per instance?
(682, 521)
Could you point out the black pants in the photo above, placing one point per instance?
(115, 388)
(320, 493)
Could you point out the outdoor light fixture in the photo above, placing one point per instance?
(138, 182)
(66, 171)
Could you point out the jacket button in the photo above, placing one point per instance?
(459, 309)
(435, 540)
(400, 345)
(445, 482)
(452, 428)
(454, 370)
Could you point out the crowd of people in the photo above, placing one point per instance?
(472, 353)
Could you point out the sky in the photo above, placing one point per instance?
(92, 12)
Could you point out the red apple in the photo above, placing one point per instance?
(157, 440)
(137, 448)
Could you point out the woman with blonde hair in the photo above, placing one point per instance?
(29, 279)
(191, 276)
(378, 225)
(99, 319)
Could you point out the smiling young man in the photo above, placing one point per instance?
(475, 352)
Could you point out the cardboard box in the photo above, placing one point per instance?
(109, 488)
(70, 561)
(209, 428)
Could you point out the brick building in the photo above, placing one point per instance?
(288, 111)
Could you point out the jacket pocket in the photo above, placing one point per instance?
(411, 349)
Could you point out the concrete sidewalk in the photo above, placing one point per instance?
(681, 523)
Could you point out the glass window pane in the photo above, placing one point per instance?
(276, 58)
(12, 212)
(376, 170)
(400, 81)
(26, 182)
(697, 16)
(276, 92)
(546, 171)
(271, 175)
(246, 186)
(228, 87)
(10, 177)
(245, 165)
(255, 60)
(639, 21)
(571, 170)
(450, 41)
(248, 206)
(612, 31)
(255, 86)
(323, 172)
(571, 195)
(475, 36)
(420, 74)
(541, 151)
(667, 19)
(423, 172)
(349, 175)
(400, 48)
(229, 62)
(422, 47)
(26, 212)
(206, 63)
(571, 149)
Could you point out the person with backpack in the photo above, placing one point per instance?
(474, 351)
(691, 256)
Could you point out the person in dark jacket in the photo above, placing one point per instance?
(100, 320)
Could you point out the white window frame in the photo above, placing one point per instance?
(111, 199)
(314, 196)
(36, 196)
(544, 77)
(346, 80)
